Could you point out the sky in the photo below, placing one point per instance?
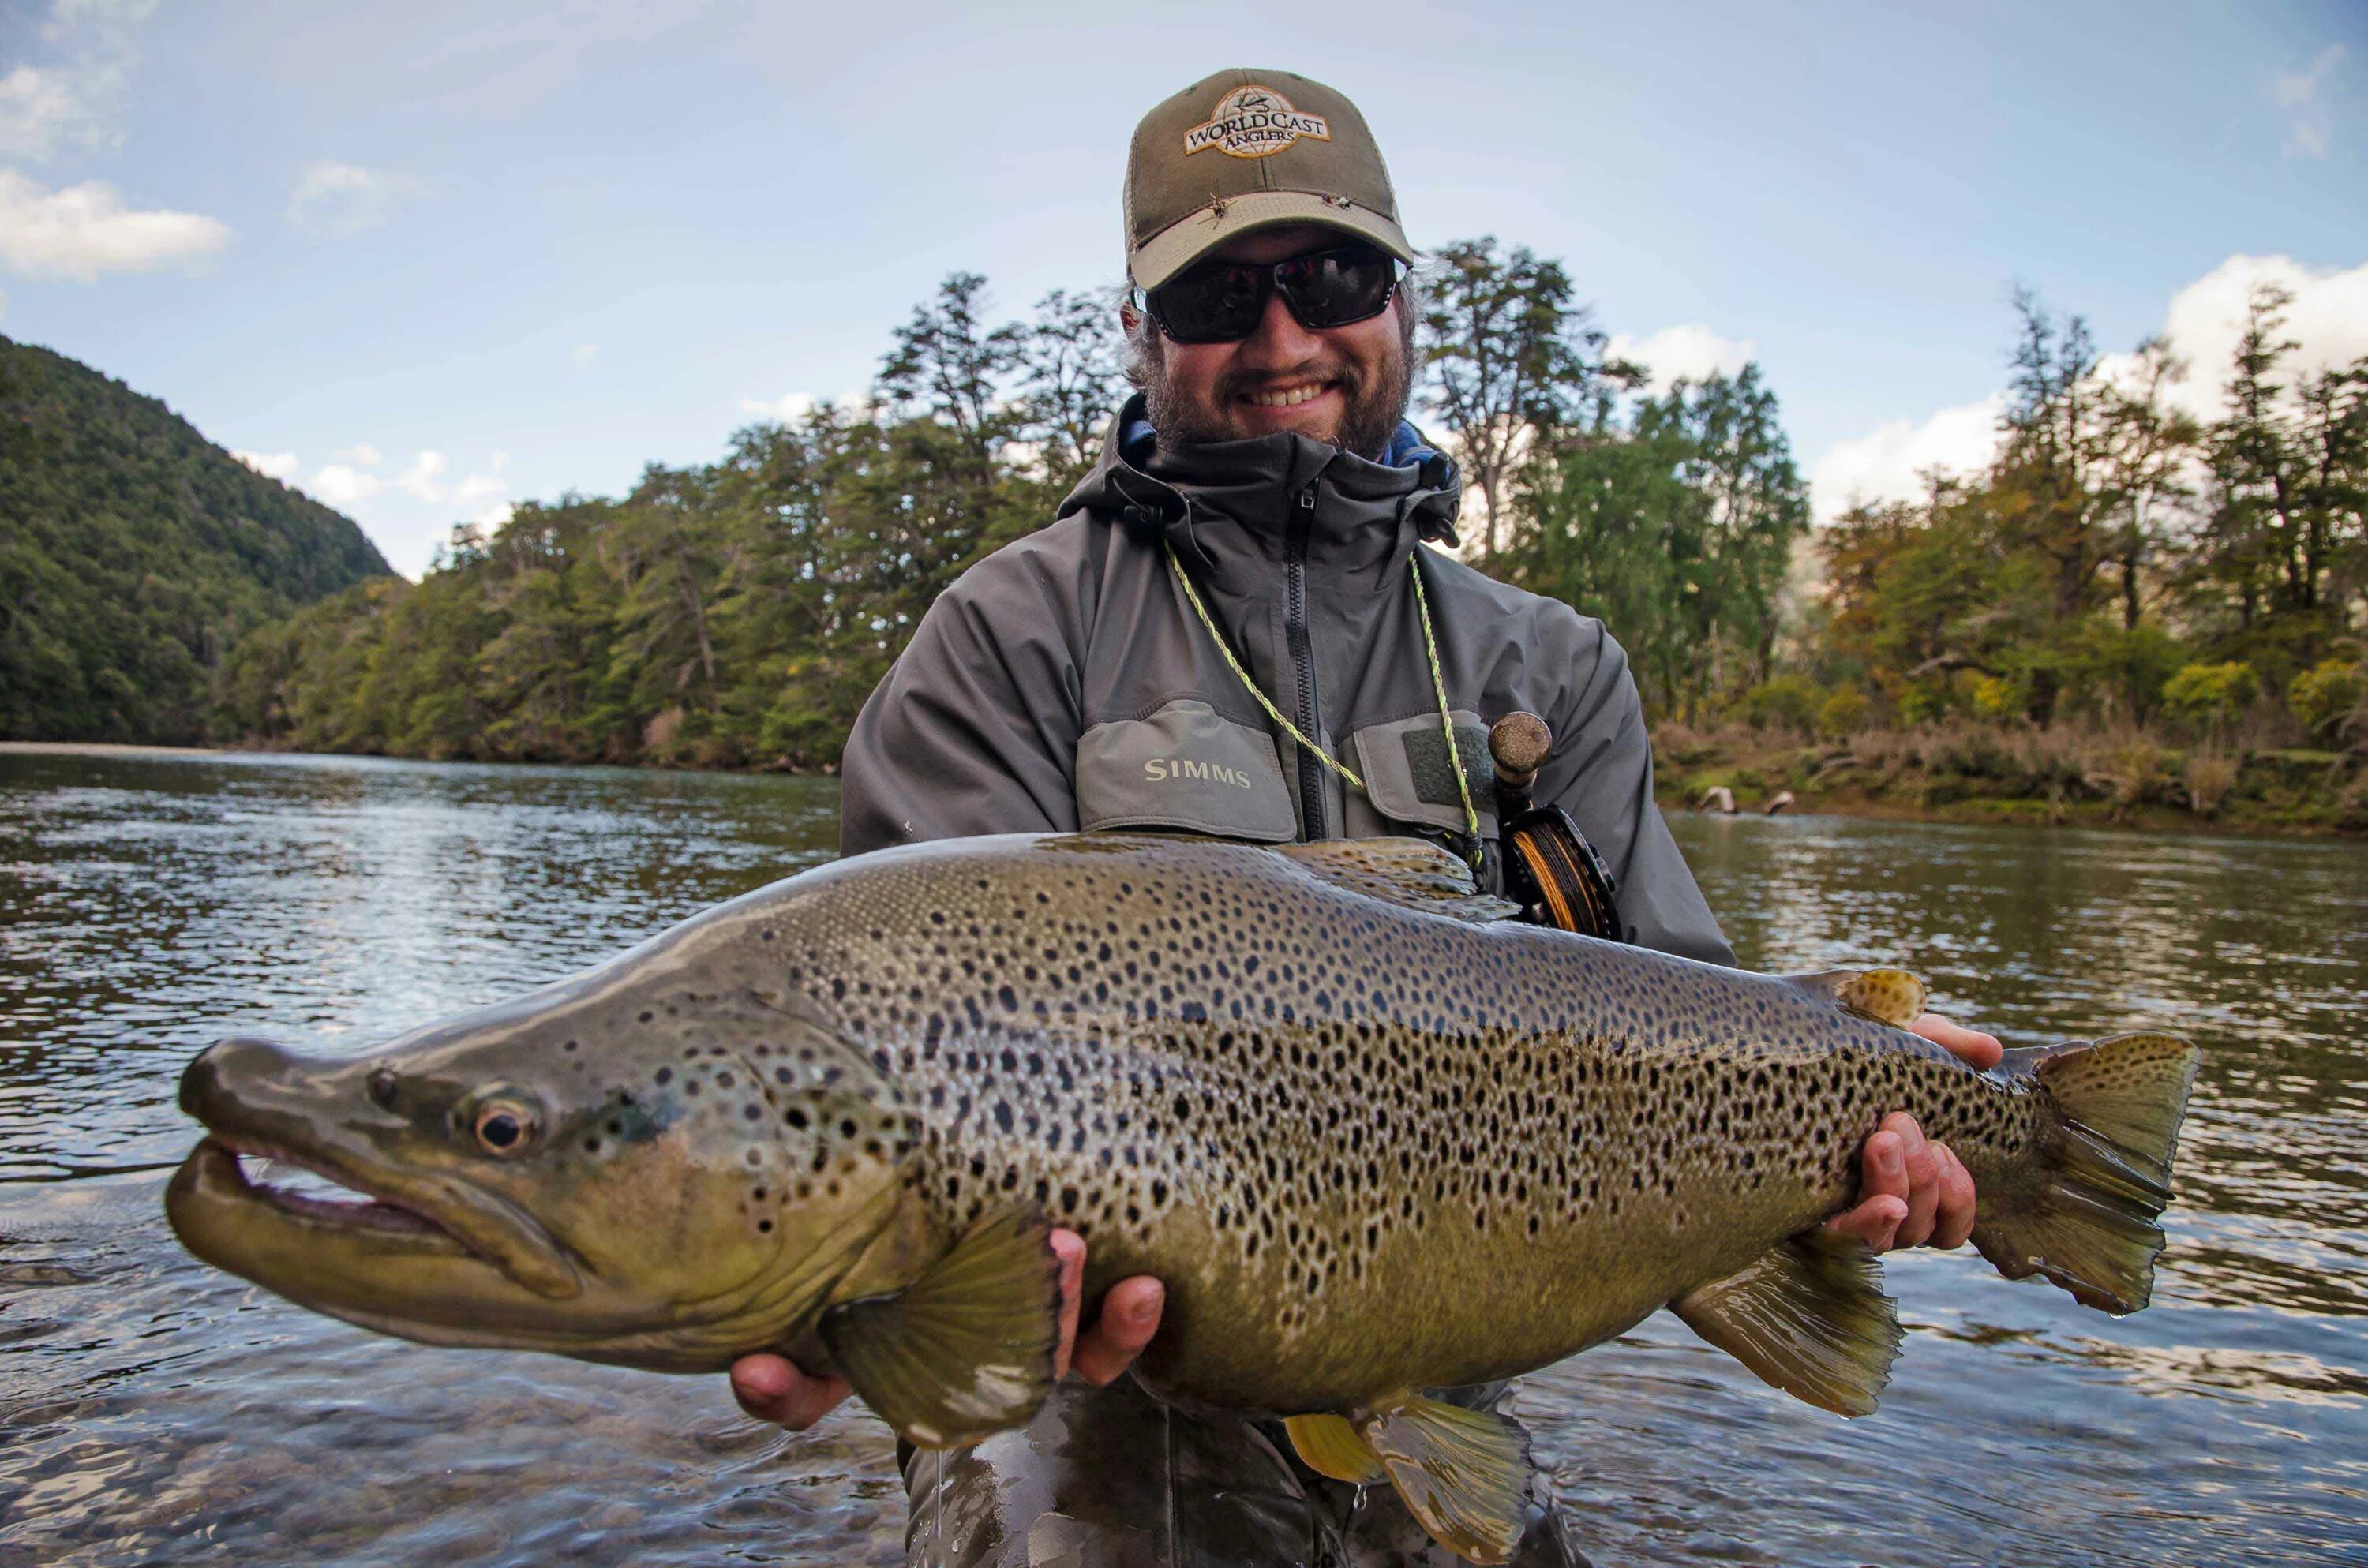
(426, 261)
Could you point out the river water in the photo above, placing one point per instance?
(154, 1412)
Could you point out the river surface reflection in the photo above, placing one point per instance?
(153, 1411)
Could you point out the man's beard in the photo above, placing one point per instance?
(1375, 406)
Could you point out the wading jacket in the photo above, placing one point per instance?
(1064, 682)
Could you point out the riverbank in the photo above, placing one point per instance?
(2026, 778)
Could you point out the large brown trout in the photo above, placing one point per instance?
(1374, 1138)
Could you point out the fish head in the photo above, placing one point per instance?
(656, 1167)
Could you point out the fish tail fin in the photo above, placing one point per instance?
(2083, 1216)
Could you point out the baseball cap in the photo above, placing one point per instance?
(1245, 150)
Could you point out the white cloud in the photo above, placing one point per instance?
(339, 485)
(419, 477)
(2328, 321)
(495, 516)
(787, 409)
(362, 455)
(334, 200)
(1889, 463)
(84, 229)
(2310, 125)
(475, 487)
(275, 465)
(583, 354)
(1691, 351)
(70, 102)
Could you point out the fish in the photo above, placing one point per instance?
(1374, 1137)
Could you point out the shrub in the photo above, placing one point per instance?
(1786, 701)
(1843, 714)
(2323, 697)
(2211, 774)
(1992, 697)
(2209, 694)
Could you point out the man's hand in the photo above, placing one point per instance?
(772, 1388)
(1911, 1190)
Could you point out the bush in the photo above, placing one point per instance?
(2211, 774)
(1843, 714)
(2210, 694)
(1785, 701)
(1992, 697)
(2323, 697)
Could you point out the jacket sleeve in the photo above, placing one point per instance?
(1601, 773)
(975, 730)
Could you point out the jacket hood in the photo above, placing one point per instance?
(1140, 485)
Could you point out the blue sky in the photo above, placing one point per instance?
(425, 263)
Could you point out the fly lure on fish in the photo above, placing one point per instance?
(1373, 1137)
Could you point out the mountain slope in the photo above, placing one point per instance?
(133, 551)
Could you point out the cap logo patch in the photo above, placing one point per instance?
(1254, 122)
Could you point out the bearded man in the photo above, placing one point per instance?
(1235, 627)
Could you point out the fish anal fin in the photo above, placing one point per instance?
(966, 1349)
(1892, 996)
(1409, 871)
(1462, 1473)
(1329, 1446)
(1809, 1317)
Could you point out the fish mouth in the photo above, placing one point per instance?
(355, 1237)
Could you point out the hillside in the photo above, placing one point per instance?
(133, 552)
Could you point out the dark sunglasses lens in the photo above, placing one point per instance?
(1335, 288)
(1217, 303)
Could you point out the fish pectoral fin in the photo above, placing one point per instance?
(1809, 1317)
(1329, 1446)
(1462, 1473)
(1409, 871)
(967, 1349)
(1891, 997)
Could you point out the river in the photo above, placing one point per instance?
(153, 1411)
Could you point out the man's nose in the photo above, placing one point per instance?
(1279, 341)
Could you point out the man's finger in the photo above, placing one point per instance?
(772, 1389)
(1130, 1316)
(1953, 1222)
(1923, 1180)
(1970, 1046)
(1874, 1221)
(1070, 1248)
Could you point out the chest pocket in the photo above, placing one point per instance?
(1411, 782)
(1185, 766)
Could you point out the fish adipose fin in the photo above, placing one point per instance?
(2082, 1216)
(1409, 871)
(1810, 1317)
(967, 1349)
(1461, 1473)
(1891, 997)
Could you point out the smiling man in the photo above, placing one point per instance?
(1235, 627)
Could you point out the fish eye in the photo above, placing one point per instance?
(504, 1126)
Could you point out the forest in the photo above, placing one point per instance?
(2124, 609)
(133, 554)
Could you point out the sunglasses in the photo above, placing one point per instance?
(1222, 302)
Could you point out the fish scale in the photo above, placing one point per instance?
(1373, 1138)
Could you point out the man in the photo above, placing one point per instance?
(1232, 627)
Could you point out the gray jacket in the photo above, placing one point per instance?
(1064, 682)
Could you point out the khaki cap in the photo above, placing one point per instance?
(1247, 150)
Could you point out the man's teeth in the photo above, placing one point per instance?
(1290, 397)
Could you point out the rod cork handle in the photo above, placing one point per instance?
(1519, 743)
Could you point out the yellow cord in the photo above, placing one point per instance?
(1438, 685)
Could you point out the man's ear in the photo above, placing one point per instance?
(1129, 318)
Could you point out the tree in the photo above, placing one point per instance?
(1511, 361)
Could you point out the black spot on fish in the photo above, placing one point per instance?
(665, 1076)
(795, 1117)
(753, 1111)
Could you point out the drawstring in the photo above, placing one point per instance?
(1438, 685)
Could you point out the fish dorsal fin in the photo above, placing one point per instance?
(1461, 1473)
(967, 1349)
(1891, 997)
(1809, 1317)
(1408, 871)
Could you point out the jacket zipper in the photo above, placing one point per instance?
(1302, 657)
